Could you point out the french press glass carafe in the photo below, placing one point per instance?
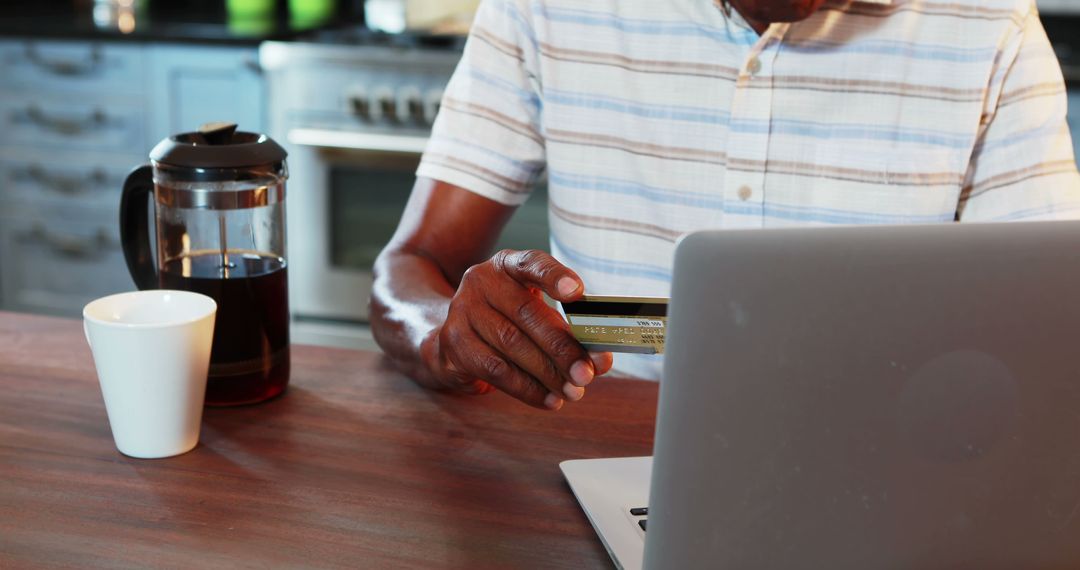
(219, 203)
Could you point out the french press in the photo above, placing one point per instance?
(219, 204)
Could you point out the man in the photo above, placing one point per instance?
(656, 118)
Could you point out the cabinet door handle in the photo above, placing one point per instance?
(66, 68)
(71, 246)
(69, 185)
(252, 64)
(64, 126)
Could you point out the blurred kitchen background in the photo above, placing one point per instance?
(349, 87)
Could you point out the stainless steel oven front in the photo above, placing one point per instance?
(355, 120)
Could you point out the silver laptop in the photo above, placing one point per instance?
(869, 397)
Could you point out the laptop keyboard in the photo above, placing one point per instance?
(640, 512)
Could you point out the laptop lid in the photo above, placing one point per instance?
(871, 397)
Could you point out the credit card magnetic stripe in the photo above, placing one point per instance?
(607, 308)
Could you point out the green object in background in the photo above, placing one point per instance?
(251, 26)
(250, 17)
(250, 9)
(310, 13)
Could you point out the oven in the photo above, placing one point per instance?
(1061, 18)
(355, 120)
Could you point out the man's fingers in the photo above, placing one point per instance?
(506, 338)
(500, 331)
(547, 329)
(475, 360)
(533, 268)
(602, 362)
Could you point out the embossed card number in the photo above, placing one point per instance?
(619, 324)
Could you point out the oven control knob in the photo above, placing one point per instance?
(360, 105)
(383, 105)
(432, 101)
(410, 106)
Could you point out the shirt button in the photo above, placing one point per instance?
(753, 67)
(745, 193)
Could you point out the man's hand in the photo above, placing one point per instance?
(500, 333)
(453, 321)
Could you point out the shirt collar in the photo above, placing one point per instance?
(737, 18)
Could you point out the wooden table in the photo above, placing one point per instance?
(354, 466)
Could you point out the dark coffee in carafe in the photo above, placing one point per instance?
(219, 202)
(250, 357)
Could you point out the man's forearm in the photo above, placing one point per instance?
(405, 313)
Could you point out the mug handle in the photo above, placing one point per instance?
(135, 227)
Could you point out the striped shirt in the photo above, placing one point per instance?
(655, 118)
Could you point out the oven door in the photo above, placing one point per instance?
(346, 196)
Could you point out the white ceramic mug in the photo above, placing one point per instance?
(152, 354)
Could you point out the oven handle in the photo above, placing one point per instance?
(322, 138)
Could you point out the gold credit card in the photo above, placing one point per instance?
(607, 323)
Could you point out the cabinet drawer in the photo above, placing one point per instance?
(59, 66)
(76, 123)
(57, 267)
(72, 181)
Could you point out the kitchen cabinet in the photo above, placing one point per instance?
(74, 68)
(194, 85)
(55, 266)
(75, 118)
(88, 122)
(32, 183)
(71, 115)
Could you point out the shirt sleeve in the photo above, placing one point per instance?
(1023, 167)
(487, 138)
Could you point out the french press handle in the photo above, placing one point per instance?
(135, 227)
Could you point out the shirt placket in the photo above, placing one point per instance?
(749, 133)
